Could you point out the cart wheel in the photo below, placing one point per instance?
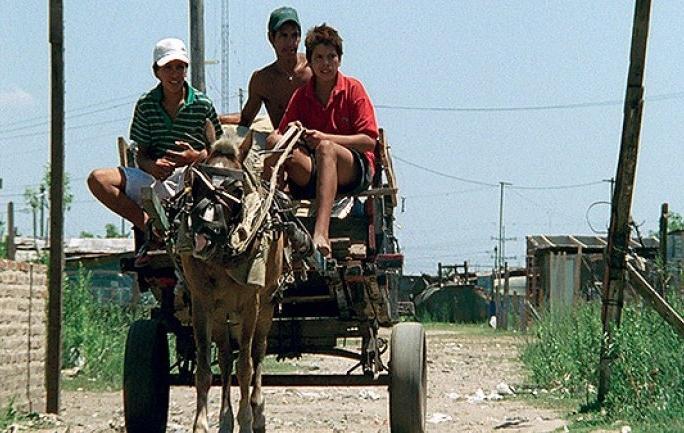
(408, 378)
(146, 378)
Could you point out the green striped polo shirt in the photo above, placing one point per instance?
(155, 132)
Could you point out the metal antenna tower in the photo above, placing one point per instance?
(225, 34)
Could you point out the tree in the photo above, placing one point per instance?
(112, 232)
(675, 222)
(3, 244)
(86, 235)
(38, 199)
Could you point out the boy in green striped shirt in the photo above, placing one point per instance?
(173, 125)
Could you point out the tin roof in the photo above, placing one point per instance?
(586, 242)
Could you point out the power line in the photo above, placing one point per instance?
(98, 104)
(70, 128)
(660, 97)
(480, 182)
(448, 176)
(571, 186)
(73, 116)
(445, 193)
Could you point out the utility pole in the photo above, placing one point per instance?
(241, 97)
(197, 45)
(41, 200)
(619, 231)
(53, 356)
(225, 52)
(499, 260)
(11, 247)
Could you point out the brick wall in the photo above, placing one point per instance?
(23, 300)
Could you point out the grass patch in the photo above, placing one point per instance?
(10, 416)
(468, 329)
(647, 376)
(94, 336)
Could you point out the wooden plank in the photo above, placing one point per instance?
(379, 192)
(658, 302)
(123, 147)
(389, 168)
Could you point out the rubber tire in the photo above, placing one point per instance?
(408, 378)
(146, 378)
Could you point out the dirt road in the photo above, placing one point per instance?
(466, 369)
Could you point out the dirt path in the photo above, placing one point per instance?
(464, 367)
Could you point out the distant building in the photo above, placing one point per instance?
(562, 269)
(99, 256)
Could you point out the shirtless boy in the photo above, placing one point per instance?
(274, 84)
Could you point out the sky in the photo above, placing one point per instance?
(470, 94)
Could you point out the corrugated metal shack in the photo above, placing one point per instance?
(562, 269)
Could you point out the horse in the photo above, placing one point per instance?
(224, 302)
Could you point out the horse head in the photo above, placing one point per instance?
(223, 194)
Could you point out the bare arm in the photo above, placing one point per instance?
(360, 142)
(254, 100)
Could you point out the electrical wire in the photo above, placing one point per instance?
(98, 104)
(69, 128)
(660, 97)
(73, 116)
(586, 216)
(439, 173)
(480, 182)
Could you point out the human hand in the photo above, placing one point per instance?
(186, 155)
(313, 137)
(160, 168)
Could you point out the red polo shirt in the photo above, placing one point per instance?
(348, 111)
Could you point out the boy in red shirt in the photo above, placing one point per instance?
(341, 132)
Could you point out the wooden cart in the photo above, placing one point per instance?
(351, 295)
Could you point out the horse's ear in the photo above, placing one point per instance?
(209, 132)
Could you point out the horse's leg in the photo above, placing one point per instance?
(198, 285)
(244, 362)
(263, 327)
(201, 324)
(225, 358)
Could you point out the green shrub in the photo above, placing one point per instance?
(647, 373)
(94, 333)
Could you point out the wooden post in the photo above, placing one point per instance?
(663, 271)
(619, 232)
(11, 247)
(505, 303)
(578, 276)
(197, 45)
(439, 274)
(53, 356)
(664, 222)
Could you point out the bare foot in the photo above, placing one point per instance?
(322, 245)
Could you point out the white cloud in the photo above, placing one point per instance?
(16, 97)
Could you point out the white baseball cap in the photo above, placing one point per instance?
(170, 49)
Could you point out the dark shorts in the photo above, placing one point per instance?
(360, 183)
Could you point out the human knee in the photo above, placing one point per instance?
(272, 139)
(325, 150)
(98, 179)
